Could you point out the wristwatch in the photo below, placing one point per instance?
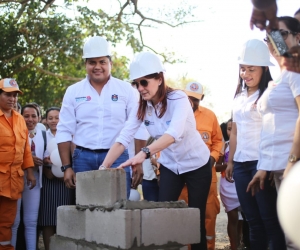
(65, 167)
(293, 158)
(146, 151)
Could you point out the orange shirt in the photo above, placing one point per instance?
(15, 155)
(209, 128)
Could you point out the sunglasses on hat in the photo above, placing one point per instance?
(144, 83)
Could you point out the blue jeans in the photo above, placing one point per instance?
(260, 210)
(88, 160)
(150, 190)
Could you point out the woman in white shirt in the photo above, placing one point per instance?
(31, 197)
(168, 117)
(279, 106)
(260, 210)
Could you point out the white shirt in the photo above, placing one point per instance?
(248, 123)
(39, 150)
(279, 115)
(188, 152)
(97, 121)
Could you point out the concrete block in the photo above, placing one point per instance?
(70, 222)
(163, 226)
(59, 243)
(100, 187)
(119, 228)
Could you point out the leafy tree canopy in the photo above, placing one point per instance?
(41, 45)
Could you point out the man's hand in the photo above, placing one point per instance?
(229, 171)
(257, 182)
(70, 178)
(292, 63)
(31, 181)
(259, 18)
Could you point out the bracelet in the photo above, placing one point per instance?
(102, 167)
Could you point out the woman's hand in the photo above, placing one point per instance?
(257, 182)
(37, 161)
(292, 63)
(47, 161)
(48, 173)
(288, 168)
(229, 171)
(137, 168)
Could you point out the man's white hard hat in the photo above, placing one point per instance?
(255, 53)
(145, 63)
(96, 46)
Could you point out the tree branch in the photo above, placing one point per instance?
(68, 78)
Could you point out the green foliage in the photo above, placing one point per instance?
(41, 44)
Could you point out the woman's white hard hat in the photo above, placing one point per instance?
(145, 63)
(96, 46)
(255, 53)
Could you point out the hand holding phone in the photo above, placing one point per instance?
(278, 43)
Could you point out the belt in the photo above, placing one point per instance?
(94, 150)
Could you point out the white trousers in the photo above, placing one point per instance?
(31, 202)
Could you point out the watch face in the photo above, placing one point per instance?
(292, 158)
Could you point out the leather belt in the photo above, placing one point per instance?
(102, 150)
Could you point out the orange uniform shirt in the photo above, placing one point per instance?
(15, 155)
(209, 128)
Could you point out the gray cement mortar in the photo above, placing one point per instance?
(58, 242)
(133, 205)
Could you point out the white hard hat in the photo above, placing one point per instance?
(96, 46)
(145, 63)
(194, 89)
(255, 53)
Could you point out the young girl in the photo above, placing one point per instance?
(229, 196)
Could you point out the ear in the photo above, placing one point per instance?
(298, 37)
(160, 81)
(202, 97)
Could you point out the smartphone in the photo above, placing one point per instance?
(278, 43)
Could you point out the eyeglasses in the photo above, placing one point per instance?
(284, 34)
(144, 83)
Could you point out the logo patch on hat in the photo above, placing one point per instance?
(194, 87)
(13, 83)
(114, 97)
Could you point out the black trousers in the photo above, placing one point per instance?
(198, 184)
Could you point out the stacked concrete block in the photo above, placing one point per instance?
(161, 226)
(100, 188)
(95, 226)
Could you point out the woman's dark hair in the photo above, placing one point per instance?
(262, 86)
(162, 94)
(1, 91)
(30, 106)
(51, 109)
(223, 127)
(291, 23)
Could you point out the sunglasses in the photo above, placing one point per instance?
(284, 34)
(144, 83)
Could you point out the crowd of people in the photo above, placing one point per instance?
(163, 138)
